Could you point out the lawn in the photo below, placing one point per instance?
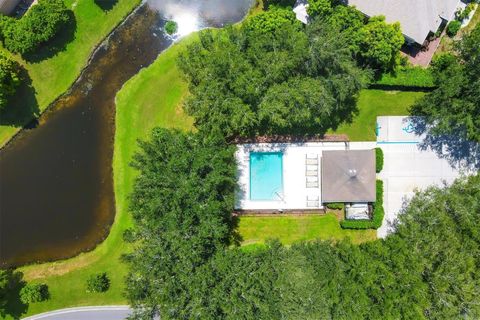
(373, 103)
(292, 228)
(56, 71)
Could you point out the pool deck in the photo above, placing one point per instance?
(295, 191)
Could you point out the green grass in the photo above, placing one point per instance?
(151, 98)
(373, 103)
(53, 76)
(288, 229)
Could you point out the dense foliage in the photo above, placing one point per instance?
(182, 205)
(244, 81)
(379, 43)
(453, 28)
(375, 42)
(182, 267)
(34, 293)
(40, 24)
(98, 282)
(9, 79)
(455, 104)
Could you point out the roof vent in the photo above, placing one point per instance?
(352, 173)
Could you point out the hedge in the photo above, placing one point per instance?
(378, 160)
(416, 77)
(335, 206)
(378, 213)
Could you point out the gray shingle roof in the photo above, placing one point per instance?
(417, 17)
(348, 176)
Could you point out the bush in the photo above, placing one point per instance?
(34, 293)
(378, 213)
(98, 282)
(453, 27)
(378, 160)
(9, 79)
(171, 27)
(416, 77)
(269, 21)
(41, 23)
(335, 206)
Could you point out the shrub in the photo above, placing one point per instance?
(335, 206)
(453, 27)
(9, 79)
(41, 23)
(378, 160)
(171, 27)
(98, 282)
(406, 76)
(34, 293)
(378, 213)
(269, 21)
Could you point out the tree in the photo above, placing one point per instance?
(40, 24)
(379, 43)
(271, 20)
(98, 282)
(454, 106)
(181, 204)
(34, 293)
(9, 79)
(320, 8)
(236, 76)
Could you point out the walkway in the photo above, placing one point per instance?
(85, 313)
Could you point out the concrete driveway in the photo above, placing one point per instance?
(86, 313)
(406, 167)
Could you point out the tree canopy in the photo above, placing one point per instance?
(379, 43)
(455, 104)
(9, 79)
(236, 77)
(40, 24)
(184, 267)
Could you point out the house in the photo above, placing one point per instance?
(303, 176)
(418, 18)
(7, 6)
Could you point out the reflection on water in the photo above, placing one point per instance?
(56, 187)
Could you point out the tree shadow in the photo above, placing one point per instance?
(106, 5)
(235, 236)
(55, 45)
(22, 109)
(14, 306)
(460, 152)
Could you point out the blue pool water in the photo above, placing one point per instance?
(266, 175)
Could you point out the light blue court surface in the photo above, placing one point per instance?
(266, 175)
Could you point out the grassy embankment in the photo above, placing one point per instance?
(151, 98)
(54, 68)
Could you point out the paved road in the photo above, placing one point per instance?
(85, 313)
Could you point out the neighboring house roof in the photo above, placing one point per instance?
(300, 10)
(7, 6)
(348, 176)
(417, 17)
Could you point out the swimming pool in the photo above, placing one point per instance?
(266, 175)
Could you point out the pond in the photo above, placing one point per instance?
(56, 184)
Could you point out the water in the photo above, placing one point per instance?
(56, 186)
(266, 175)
